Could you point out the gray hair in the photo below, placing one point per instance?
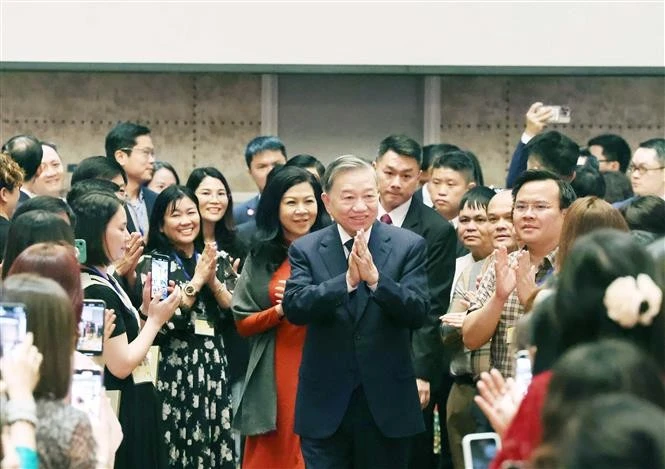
(342, 164)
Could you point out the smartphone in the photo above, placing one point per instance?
(81, 250)
(160, 276)
(560, 114)
(12, 325)
(480, 449)
(91, 328)
(87, 388)
(522, 370)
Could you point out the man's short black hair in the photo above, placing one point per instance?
(87, 186)
(123, 135)
(98, 167)
(263, 143)
(402, 145)
(46, 203)
(614, 148)
(305, 161)
(477, 197)
(588, 179)
(566, 193)
(430, 152)
(657, 144)
(27, 151)
(555, 151)
(463, 162)
(617, 186)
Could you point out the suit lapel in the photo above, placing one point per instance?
(379, 247)
(332, 252)
(412, 219)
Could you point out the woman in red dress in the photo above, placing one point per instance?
(290, 207)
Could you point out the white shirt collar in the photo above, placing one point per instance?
(344, 236)
(455, 221)
(27, 192)
(398, 214)
(427, 199)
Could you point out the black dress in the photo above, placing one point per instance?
(140, 409)
(192, 379)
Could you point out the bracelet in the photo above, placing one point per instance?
(220, 289)
(21, 411)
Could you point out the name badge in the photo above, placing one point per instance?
(201, 327)
(509, 335)
(146, 372)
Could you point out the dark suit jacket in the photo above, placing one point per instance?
(22, 197)
(359, 338)
(517, 164)
(441, 246)
(149, 197)
(245, 211)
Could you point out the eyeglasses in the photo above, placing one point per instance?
(145, 151)
(642, 170)
(521, 207)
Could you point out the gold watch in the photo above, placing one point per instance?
(189, 289)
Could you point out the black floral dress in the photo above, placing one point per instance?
(192, 377)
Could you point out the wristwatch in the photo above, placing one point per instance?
(189, 289)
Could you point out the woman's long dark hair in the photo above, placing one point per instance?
(166, 200)
(269, 243)
(225, 229)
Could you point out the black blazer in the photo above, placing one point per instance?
(149, 197)
(361, 338)
(441, 242)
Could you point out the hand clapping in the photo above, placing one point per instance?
(361, 264)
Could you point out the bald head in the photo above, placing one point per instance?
(500, 217)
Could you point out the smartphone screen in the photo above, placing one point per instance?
(160, 277)
(86, 391)
(482, 452)
(480, 449)
(91, 328)
(12, 325)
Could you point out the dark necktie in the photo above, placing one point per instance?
(349, 245)
(385, 218)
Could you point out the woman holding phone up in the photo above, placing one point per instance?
(102, 223)
(193, 370)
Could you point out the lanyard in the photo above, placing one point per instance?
(108, 278)
(182, 266)
(110, 281)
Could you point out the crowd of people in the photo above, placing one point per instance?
(348, 315)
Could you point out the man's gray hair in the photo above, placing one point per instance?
(342, 164)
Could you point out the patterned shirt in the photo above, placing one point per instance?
(139, 213)
(512, 310)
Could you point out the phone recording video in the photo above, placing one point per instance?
(86, 392)
(160, 277)
(560, 114)
(480, 449)
(91, 328)
(12, 325)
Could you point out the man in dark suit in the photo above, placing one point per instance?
(131, 146)
(398, 170)
(27, 151)
(261, 155)
(357, 403)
